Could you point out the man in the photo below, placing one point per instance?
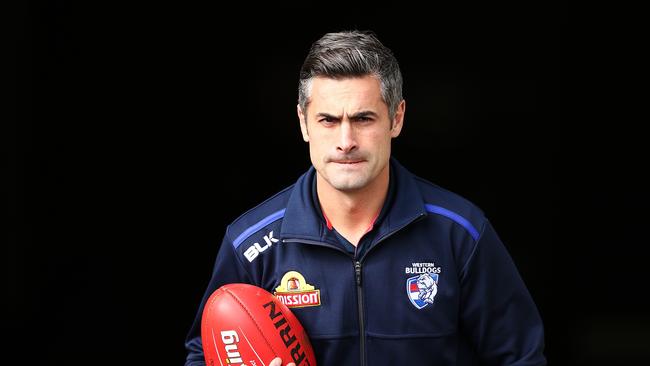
(398, 270)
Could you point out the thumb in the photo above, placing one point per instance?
(278, 362)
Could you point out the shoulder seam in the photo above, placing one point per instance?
(258, 225)
(261, 204)
(460, 220)
(471, 255)
(241, 263)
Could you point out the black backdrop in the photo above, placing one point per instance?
(142, 131)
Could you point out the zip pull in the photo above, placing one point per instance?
(362, 331)
(357, 270)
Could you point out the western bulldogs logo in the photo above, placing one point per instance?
(422, 289)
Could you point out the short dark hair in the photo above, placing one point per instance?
(352, 54)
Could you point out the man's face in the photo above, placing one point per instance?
(349, 130)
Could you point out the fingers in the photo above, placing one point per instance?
(278, 362)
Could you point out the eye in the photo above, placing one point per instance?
(327, 120)
(364, 119)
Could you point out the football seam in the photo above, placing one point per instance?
(252, 318)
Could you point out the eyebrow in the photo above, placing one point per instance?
(357, 115)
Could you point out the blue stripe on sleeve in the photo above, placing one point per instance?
(455, 217)
(265, 221)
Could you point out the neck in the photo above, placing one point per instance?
(353, 212)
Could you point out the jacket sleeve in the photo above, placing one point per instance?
(497, 312)
(227, 269)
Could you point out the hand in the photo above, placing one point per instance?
(278, 362)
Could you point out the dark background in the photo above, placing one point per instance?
(141, 132)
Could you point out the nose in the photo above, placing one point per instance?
(347, 141)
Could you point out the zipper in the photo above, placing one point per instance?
(362, 330)
(358, 277)
(357, 271)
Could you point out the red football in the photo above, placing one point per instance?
(245, 325)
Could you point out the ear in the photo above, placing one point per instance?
(398, 120)
(303, 123)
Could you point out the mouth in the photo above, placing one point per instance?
(348, 161)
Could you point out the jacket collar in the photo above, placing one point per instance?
(302, 220)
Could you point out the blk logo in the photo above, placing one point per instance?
(254, 250)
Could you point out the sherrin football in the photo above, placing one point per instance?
(245, 325)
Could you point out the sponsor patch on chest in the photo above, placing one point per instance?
(295, 292)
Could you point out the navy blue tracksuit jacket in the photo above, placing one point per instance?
(433, 286)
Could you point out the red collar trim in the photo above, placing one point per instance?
(327, 220)
(372, 223)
